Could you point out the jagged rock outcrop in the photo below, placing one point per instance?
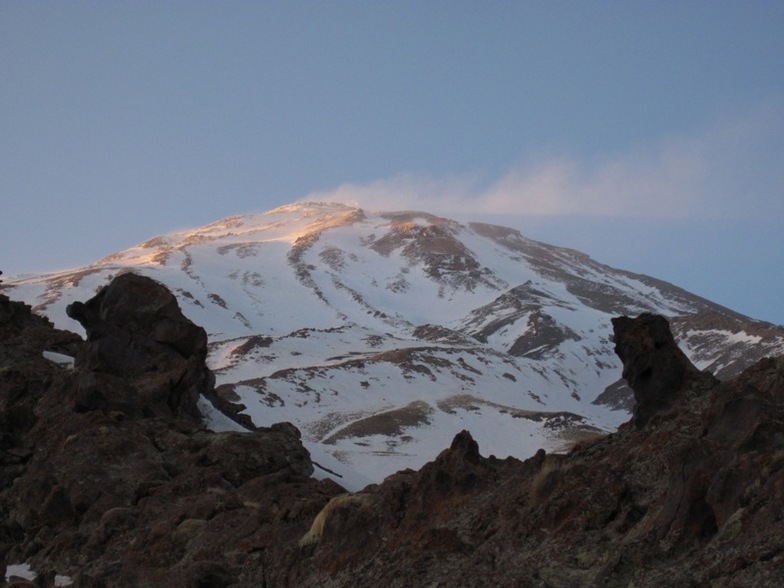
(654, 366)
(691, 492)
(24, 374)
(130, 489)
(142, 348)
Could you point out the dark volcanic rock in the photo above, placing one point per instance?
(123, 493)
(653, 364)
(24, 374)
(691, 493)
(142, 355)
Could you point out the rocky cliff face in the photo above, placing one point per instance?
(122, 486)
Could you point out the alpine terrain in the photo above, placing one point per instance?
(147, 450)
(381, 335)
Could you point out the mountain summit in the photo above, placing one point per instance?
(381, 335)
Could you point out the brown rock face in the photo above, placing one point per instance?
(142, 355)
(653, 364)
(112, 494)
(124, 487)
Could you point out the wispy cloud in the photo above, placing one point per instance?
(730, 169)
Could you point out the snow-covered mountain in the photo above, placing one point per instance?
(383, 334)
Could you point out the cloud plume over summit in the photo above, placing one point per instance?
(724, 171)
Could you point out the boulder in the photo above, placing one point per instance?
(653, 364)
(143, 357)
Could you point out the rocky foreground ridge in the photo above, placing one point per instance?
(109, 477)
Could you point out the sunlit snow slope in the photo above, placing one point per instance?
(381, 335)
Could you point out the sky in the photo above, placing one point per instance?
(648, 134)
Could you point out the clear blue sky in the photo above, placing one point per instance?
(647, 134)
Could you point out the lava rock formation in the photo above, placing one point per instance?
(109, 477)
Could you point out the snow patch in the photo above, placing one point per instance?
(60, 359)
